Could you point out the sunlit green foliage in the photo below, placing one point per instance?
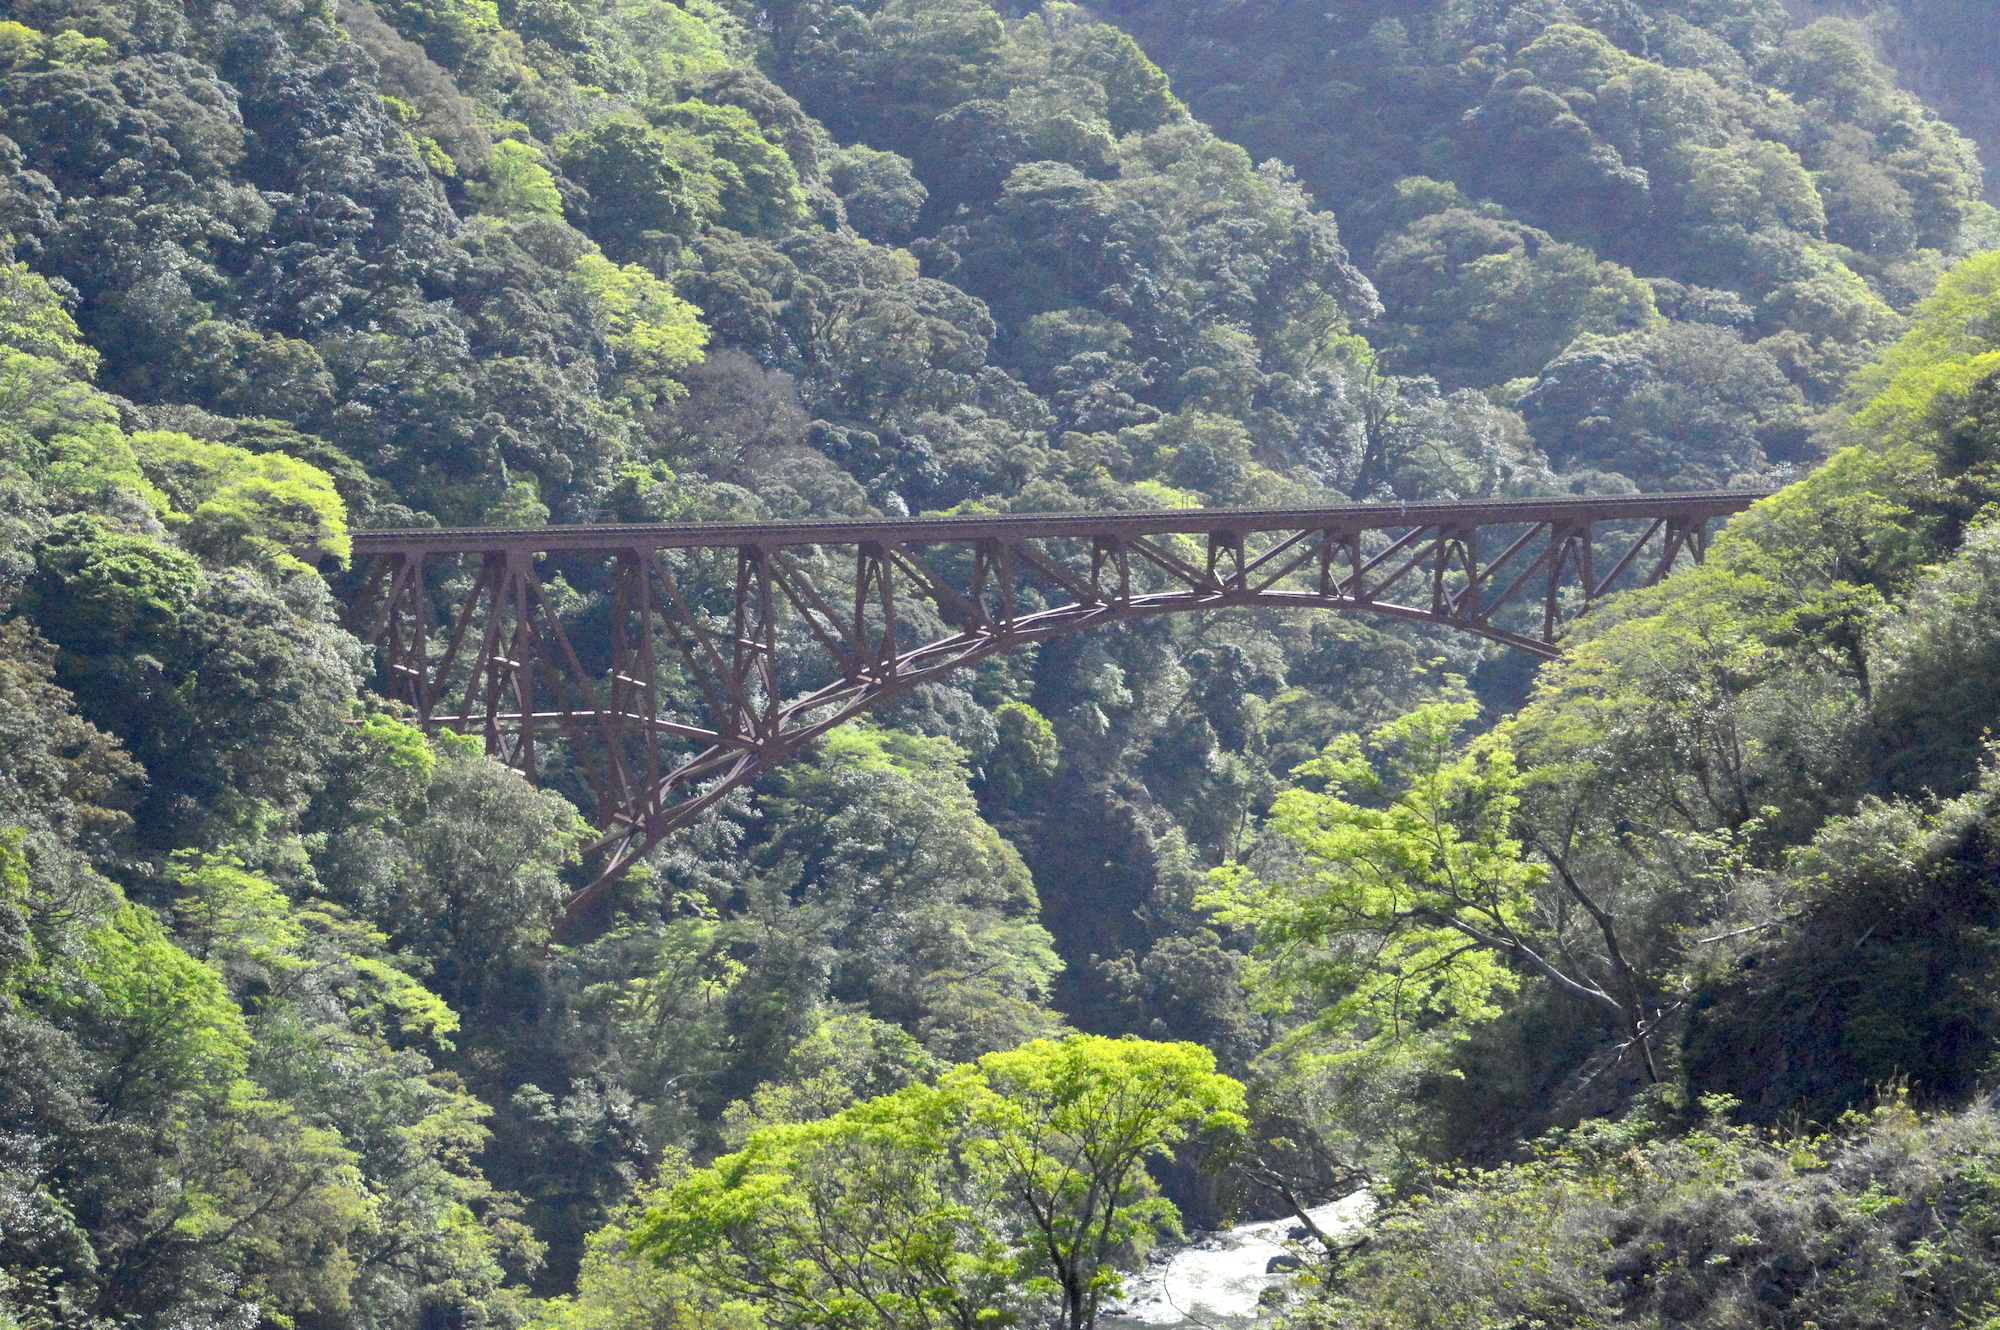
(872, 1217)
(1413, 897)
(1001, 1194)
(243, 507)
(654, 331)
(1067, 1131)
(516, 183)
(617, 1290)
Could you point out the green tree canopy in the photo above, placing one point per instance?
(1006, 1191)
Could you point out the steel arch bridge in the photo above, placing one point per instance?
(716, 652)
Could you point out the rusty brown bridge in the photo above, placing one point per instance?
(663, 666)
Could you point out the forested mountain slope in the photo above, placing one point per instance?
(285, 1038)
(1942, 50)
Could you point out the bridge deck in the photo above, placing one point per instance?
(1011, 526)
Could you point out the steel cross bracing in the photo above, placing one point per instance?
(711, 653)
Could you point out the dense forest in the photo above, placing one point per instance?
(1655, 985)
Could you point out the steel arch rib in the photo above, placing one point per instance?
(844, 701)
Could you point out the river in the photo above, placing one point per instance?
(1218, 1281)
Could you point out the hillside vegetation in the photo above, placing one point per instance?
(1655, 986)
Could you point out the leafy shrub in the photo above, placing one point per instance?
(1887, 1222)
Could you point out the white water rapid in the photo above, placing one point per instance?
(1218, 1281)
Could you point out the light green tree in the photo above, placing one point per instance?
(655, 333)
(516, 183)
(869, 1220)
(236, 506)
(617, 1289)
(1413, 910)
(1000, 1195)
(1066, 1131)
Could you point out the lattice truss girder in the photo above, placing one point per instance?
(713, 654)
